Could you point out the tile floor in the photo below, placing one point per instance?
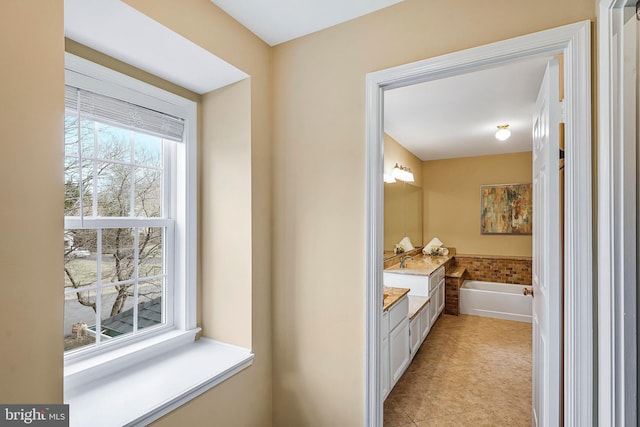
(470, 371)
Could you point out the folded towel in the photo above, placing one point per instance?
(435, 243)
(405, 244)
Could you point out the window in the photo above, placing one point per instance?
(129, 240)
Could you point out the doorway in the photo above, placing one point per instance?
(572, 42)
(445, 129)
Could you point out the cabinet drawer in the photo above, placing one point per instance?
(437, 276)
(384, 328)
(398, 312)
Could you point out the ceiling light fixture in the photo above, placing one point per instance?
(402, 173)
(503, 133)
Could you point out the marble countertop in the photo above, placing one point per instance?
(392, 296)
(422, 265)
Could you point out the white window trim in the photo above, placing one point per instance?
(173, 359)
(95, 78)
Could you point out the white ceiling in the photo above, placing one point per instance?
(122, 32)
(278, 21)
(458, 116)
(446, 118)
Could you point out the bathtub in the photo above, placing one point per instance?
(498, 300)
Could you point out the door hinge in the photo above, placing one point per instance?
(562, 113)
(561, 154)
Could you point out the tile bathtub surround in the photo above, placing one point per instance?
(454, 276)
(470, 371)
(496, 268)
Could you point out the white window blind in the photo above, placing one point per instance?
(114, 111)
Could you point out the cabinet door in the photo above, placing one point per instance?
(441, 289)
(384, 362)
(415, 334)
(399, 354)
(434, 307)
(425, 320)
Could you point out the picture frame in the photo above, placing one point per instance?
(506, 209)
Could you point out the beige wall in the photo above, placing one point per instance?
(313, 197)
(31, 302)
(235, 213)
(396, 153)
(452, 202)
(402, 201)
(31, 195)
(319, 187)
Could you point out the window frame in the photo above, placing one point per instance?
(83, 365)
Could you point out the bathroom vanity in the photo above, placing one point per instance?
(396, 354)
(424, 276)
(414, 300)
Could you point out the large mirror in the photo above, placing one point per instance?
(402, 215)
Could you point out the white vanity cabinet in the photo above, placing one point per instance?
(415, 335)
(433, 309)
(420, 321)
(396, 354)
(384, 357)
(425, 320)
(438, 280)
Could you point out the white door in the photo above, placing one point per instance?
(547, 275)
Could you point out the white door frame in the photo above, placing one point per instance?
(617, 248)
(573, 41)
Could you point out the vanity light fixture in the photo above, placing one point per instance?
(503, 133)
(388, 178)
(402, 173)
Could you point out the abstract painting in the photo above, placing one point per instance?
(505, 209)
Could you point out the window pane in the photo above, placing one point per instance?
(87, 188)
(113, 189)
(117, 254)
(87, 136)
(148, 150)
(117, 311)
(150, 251)
(151, 303)
(80, 264)
(114, 143)
(70, 134)
(72, 186)
(79, 317)
(148, 201)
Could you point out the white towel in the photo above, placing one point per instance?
(434, 243)
(405, 244)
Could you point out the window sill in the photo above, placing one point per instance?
(145, 391)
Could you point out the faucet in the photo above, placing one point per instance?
(403, 261)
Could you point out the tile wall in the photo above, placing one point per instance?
(496, 268)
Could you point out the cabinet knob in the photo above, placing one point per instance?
(527, 291)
